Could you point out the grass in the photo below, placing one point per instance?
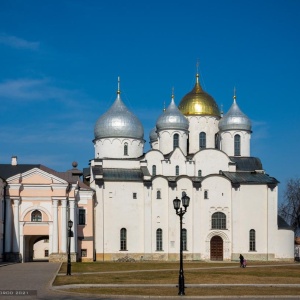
(195, 273)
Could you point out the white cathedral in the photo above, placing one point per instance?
(194, 150)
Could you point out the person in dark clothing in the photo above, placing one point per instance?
(241, 260)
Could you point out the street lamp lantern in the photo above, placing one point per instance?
(70, 225)
(176, 203)
(185, 200)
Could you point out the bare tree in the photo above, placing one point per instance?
(289, 210)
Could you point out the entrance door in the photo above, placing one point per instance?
(216, 248)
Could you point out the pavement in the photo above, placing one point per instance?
(34, 281)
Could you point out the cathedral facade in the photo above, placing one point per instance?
(197, 151)
(123, 209)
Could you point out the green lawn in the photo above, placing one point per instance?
(195, 273)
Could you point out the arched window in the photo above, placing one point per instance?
(153, 170)
(205, 194)
(158, 194)
(237, 145)
(36, 216)
(202, 140)
(159, 241)
(175, 140)
(199, 173)
(252, 246)
(184, 239)
(218, 221)
(125, 149)
(177, 170)
(123, 239)
(217, 141)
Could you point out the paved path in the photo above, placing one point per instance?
(37, 277)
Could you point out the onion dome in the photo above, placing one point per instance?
(118, 121)
(198, 102)
(235, 119)
(153, 135)
(172, 118)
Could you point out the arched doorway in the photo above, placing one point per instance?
(36, 248)
(216, 248)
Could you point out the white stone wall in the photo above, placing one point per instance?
(165, 141)
(246, 207)
(114, 148)
(227, 142)
(207, 124)
(210, 161)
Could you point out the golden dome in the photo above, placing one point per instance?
(198, 102)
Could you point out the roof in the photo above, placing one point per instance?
(247, 163)
(123, 174)
(282, 224)
(250, 178)
(8, 170)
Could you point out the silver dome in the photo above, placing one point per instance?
(235, 119)
(153, 135)
(172, 118)
(118, 121)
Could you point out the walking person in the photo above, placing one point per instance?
(241, 260)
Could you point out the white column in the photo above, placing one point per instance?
(50, 238)
(147, 221)
(8, 226)
(22, 242)
(55, 227)
(16, 240)
(74, 228)
(63, 247)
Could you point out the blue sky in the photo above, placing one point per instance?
(60, 61)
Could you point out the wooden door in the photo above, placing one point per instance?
(216, 248)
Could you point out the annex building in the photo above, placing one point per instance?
(122, 205)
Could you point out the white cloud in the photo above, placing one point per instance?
(260, 129)
(18, 43)
(45, 89)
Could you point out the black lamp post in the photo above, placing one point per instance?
(70, 224)
(180, 212)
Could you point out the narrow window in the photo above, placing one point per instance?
(153, 170)
(46, 253)
(175, 140)
(202, 140)
(36, 216)
(184, 239)
(217, 141)
(125, 149)
(177, 170)
(252, 240)
(218, 221)
(199, 173)
(159, 242)
(81, 216)
(205, 194)
(83, 252)
(123, 239)
(158, 194)
(237, 145)
(134, 196)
